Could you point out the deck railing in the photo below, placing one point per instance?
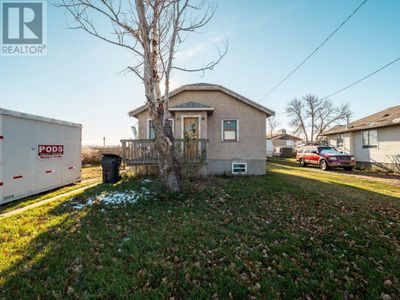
(143, 152)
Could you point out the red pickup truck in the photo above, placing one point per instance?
(325, 158)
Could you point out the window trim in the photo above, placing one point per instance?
(148, 127)
(368, 146)
(337, 138)
(172, 125)
(222, 131)
(237, 163)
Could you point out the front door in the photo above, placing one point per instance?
(191, 134)
(191, 128)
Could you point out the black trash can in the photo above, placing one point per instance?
(110, 164)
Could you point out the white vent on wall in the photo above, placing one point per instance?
(239, 168)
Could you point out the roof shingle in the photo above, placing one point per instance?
(190, 104)
(387, 117)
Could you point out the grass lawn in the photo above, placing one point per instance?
(294, 233)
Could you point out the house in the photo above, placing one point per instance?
(374, 140)
(226, 131)
(284, 144)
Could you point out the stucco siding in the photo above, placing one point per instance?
(143, 124)
(251, 124)
(224, 166)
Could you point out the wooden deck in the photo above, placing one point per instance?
(142, 151)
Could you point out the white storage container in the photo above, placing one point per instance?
(37, 154)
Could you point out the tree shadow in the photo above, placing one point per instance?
(62, 247)
(80, 255)
(359, 173)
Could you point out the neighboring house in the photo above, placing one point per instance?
(227, 131)
(284, 144)
(374, 140)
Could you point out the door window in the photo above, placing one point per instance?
(191, 128)
(191, 135)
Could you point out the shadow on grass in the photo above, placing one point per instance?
(269, 230)
(90, 175)
(371, 175)
(40, 196)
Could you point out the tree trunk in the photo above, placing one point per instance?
(164, 141)
(169, 167)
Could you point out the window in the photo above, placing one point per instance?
(230, 130)
(369, 138)
(239, 168)
(171, 121)
(329, 150)
(311, 150)
(151, 134)
(339, 140)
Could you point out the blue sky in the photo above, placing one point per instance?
(80, 81)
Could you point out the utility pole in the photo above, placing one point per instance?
(104, 141)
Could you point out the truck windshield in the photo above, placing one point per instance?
(329, 150)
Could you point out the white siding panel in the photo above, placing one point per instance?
(332, 140)
(347, 142)
(388, 144)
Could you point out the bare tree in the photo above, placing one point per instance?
(273, 122)
(151, 30)
(296, 112)
(310, 116)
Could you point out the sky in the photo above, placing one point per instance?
(80, 78)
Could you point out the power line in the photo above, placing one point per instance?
(312, 53)
(358, 81)
(354, 83)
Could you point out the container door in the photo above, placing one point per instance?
(49, 155)
(72, 154)
(19, 157)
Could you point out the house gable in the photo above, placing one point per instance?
(205, 87)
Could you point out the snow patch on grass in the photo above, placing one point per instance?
(147, 180)
(117, 198)
(113, 198)
(78, 206)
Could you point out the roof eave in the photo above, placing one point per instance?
(191, 109)
(210, 87)
(357, 129)
(134, 113)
